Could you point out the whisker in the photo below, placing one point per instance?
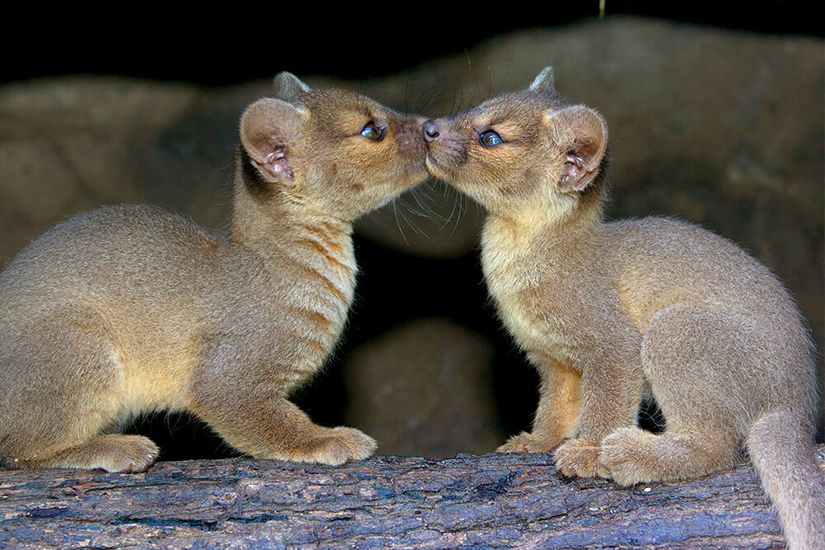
(415, 227)
(398, 222)
(412, 225)
(452, 192)
(427, 104)
(427, 212)
(461, 210)
(453, 108)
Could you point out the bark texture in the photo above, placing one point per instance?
(480, 501)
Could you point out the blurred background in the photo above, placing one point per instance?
(715, 113)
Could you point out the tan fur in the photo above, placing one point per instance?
(613, 312)
(128, 309)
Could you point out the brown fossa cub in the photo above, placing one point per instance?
(128, 309)
(611, 313)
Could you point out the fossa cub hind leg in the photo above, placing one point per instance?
(64, 425)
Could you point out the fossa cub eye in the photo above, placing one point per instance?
(490, 138)
(374, 131)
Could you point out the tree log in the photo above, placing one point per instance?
(480, 501)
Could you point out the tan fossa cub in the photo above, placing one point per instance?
(128, 309)
(611, 312)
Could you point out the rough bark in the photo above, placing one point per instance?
(481, 501)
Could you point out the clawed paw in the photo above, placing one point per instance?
(127, 454)
(626, 456)
(579, 458)
(526, 442)
(335, 446)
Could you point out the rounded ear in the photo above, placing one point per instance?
(267, 128)
(544, 82)
(581, 135)
(288, 86)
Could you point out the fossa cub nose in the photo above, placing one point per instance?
(431, 131)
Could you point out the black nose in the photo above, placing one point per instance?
(431, 132)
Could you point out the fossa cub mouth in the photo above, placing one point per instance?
(445, 155)
(435, 167)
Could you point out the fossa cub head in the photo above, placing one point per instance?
(330, 150)
(522, 150)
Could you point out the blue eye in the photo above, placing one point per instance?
(490, 139)
(373, 131)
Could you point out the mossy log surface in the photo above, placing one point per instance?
(479, 501)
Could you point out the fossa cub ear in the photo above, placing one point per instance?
(289, 87)
(580, 134)
(544, 82)
(269, 128)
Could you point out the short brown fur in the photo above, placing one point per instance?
(612, 313)
(129, 309)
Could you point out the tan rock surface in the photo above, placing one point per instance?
(425, 388)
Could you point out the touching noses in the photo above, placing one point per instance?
(431, 132)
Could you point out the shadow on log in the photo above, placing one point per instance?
(483, 501)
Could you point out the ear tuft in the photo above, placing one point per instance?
(268, 128)
(581, 135)
(288, 86)
(544, 82)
